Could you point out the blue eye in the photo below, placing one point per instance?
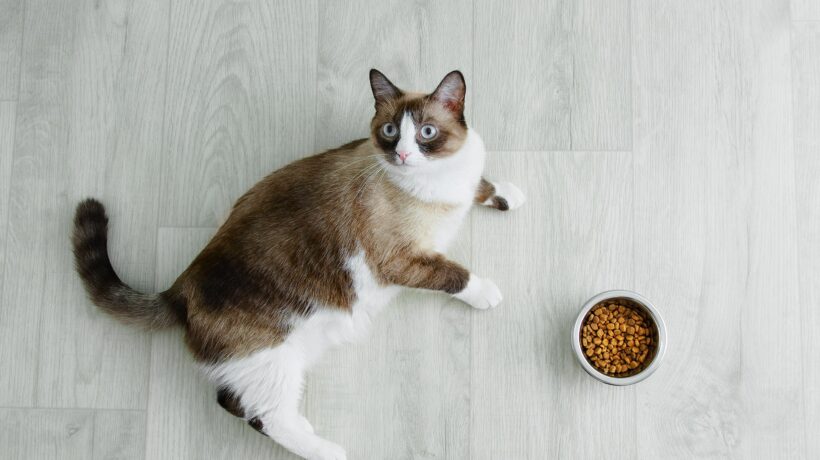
(428, 131)
(389, 130)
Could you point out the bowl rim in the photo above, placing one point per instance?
(656, 317)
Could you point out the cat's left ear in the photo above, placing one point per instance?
(383, 89)
(450, 92)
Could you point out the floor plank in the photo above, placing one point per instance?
(408, 50)
(600, 104)
(7, 120)
(47, 434)
(39, 132)
(805, 10)
(563, 84)
(523, 74)
(571, 240)
(806, 77)
(184, 419)
(715, 227)
(71, 434)
(49, 332)
(84, 358)
(119, 435)
(133, 166)
(240, 103)
(11, 38)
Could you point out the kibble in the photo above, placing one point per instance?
(617, 338)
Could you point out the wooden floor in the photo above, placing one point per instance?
(665, 146)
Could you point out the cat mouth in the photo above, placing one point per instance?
(405, 168)
(394, 166)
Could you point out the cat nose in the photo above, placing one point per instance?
(403, 154)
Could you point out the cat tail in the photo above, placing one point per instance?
(104, 287)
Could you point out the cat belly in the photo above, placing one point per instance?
(329, 326)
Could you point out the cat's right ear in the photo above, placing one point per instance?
(383, 89)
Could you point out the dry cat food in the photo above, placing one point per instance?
(618, 338)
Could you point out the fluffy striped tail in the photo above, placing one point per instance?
(104, 287)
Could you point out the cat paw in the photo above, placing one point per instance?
(327, 450)
(480, 293)
(506, 192)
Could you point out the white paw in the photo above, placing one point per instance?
(327, 450)
(480, 293)
(512, 194)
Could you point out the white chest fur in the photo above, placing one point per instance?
(447, 226)
(451, 180)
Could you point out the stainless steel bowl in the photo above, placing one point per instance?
(638, 301)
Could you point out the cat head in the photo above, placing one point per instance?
(413, 130)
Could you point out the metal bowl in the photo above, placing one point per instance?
(637, 301)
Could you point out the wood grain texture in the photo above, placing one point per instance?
(118, 435)
(11, 41)
(53, 337)
(404, 40)
(553, 75)
(241, 88)
(39, 133)
(7, 120)
(571, 240)
(805, 10)
(184, 419)
(85, 359)
(75, 434)
(523, 74)
(806, 78)
(47, 434)
(600, 104)
(715, 228)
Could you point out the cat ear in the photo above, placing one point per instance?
(383, 90)
(450, 92)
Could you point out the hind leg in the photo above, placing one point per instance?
(265, 389)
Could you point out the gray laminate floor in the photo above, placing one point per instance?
(670, 147)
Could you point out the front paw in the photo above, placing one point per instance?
(327, 450)
(507, 193)
(480, 293)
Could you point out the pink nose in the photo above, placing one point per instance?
(403, 154)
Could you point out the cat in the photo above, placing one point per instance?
(312, 252)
